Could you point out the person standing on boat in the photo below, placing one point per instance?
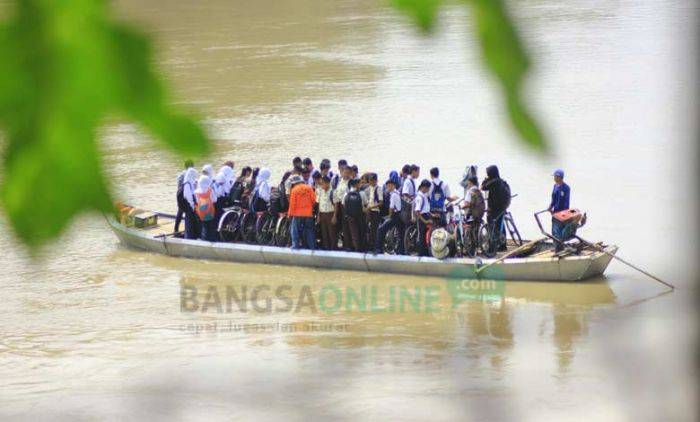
(260, 197)
(326, 210)
(374, 198)
(325, 168)
(180, 180)
(206, 208)
(301, 210)
(561, 193)
(354, 207)
(186, 201)
(498, 201)
(393, 219)
(335, 180)
(439, 194)
(421, 207)
(473, 205)
(408, 193)
(339, 192)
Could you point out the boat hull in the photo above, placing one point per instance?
(570, 268)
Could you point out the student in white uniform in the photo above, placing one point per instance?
(189, 182)
(421, 208)
(180, 180)
(439, 195)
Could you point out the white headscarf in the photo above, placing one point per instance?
(228, 178)
(203, 184)
(208, 170)
(191, 176)
(220, 185)
(262, 186)
(263, 175)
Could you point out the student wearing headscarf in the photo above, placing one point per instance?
(208, 170)
(229, 179)
(206, 208)
(260, 197)
(188, 203)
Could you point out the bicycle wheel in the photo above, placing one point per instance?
(410, 240)
(229, 227)
(265, 229)
(281, 237)
(486, 244)
(248, 227)
(471, 242)
(391, 241)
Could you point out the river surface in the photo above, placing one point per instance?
(96, 331)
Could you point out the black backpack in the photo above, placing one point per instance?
(386, 198)
(334, 181)
(283, 200)
(353, 206)
(181, 201)
(236, 192)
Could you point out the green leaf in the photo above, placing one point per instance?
(506, 58)
(422, 11)
(66, 67)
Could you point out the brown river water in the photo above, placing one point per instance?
(96, 331)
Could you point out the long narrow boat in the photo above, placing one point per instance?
(542, 266)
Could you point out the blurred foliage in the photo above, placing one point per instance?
(64, 67)
(502, 52)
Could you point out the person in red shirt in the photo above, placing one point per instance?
(301, 210)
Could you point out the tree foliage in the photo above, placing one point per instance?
(502, 53)
(64, 67)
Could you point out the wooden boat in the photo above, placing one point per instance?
(541, 266)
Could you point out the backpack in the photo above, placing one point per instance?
(478, 205)
(353, 206)
(437, 197)
(283, 200)
(236, 192)
(205, 206)
(384, 209)
(180, 195)
(334, 181)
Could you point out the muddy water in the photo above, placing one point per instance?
(98, 331)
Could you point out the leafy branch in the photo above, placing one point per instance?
(65, 67)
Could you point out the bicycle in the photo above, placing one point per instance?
(466, 236)
(410, 242)
(265, 226)
(492, 238)
(229, 227)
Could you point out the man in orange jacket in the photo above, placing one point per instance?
(301, 210)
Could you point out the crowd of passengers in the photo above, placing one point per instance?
(343, 201)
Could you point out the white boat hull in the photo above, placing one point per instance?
(570, 268)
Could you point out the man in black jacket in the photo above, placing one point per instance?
(498, 201)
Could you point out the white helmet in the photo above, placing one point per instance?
(440, 243)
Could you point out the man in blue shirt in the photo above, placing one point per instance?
(561, 194)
